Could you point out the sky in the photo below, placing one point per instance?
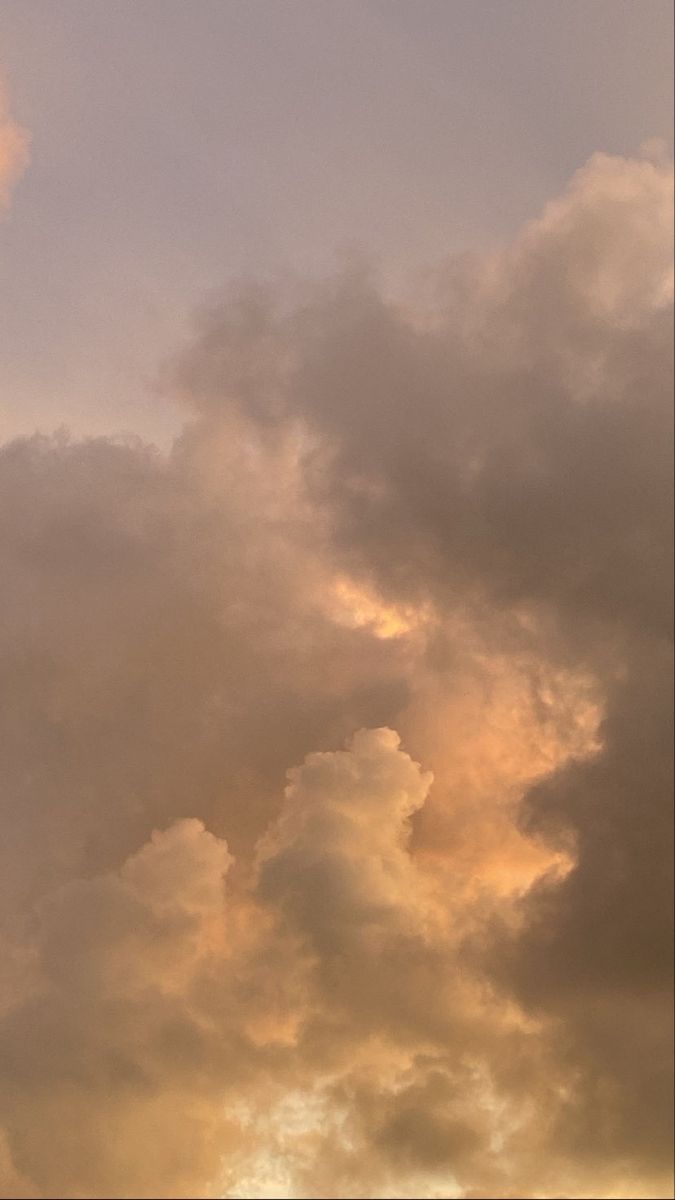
(336, 618)
(176, 146)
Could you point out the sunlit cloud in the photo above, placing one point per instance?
(14, 152)
(338, 744)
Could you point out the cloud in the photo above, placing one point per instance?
(98, 1057)
(336, 785)
(14, 153)
(336, 856)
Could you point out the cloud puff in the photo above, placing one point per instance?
(440, 963)
(336, 856)
(106, 1059)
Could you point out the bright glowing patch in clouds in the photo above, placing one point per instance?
(433, 958)
(356, 607)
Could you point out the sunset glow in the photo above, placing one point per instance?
(336, 621)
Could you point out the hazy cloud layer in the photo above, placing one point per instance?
(337, 763)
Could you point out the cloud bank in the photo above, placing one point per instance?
(337, 773)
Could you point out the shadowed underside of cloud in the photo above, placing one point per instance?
(438, 963)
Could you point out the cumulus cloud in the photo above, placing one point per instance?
(337, 768)
(336, 855)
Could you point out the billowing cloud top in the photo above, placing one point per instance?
(337, 758)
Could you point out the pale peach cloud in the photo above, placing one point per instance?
(14, 152)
